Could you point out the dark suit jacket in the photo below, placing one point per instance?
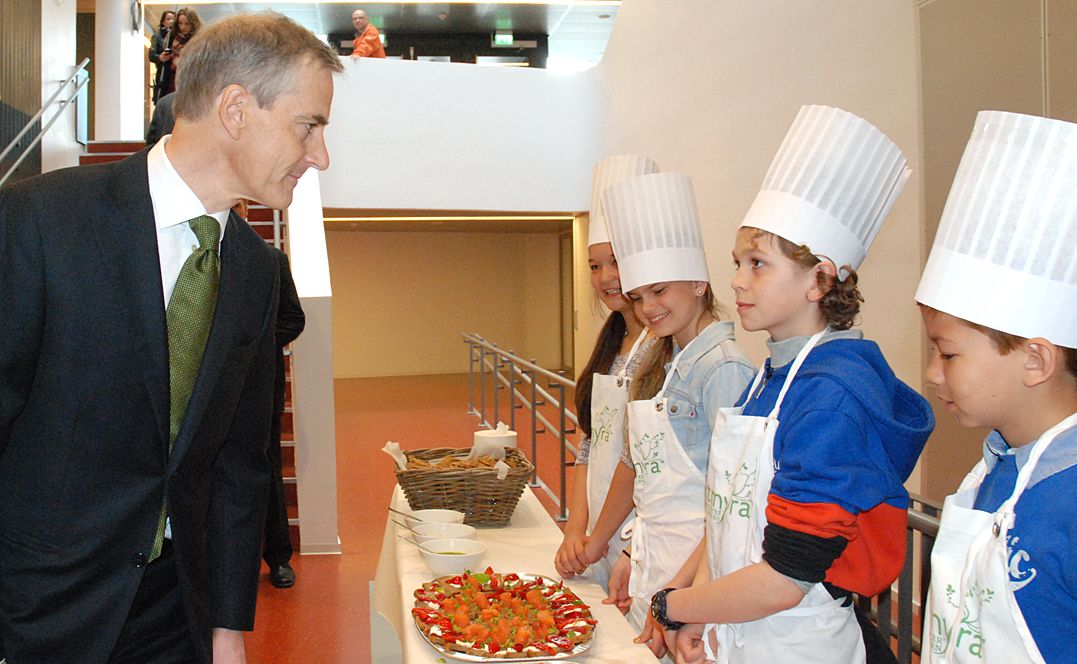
(290, 324)
(84, 412)
(163, 120)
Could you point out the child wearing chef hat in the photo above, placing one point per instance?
(999, 301)
(602, 388)
(696, 368)
(805, 503)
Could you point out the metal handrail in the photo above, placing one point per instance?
(484, 356)
(920, 534)
(37, 116)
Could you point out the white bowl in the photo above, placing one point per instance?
(435, 516)
(424, 532)
(452, 556)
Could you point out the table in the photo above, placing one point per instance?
(527, 544)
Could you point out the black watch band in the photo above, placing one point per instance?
(658, 610)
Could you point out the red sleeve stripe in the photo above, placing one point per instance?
(876, 550)
(824, 520)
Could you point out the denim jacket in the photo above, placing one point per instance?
(712, 374)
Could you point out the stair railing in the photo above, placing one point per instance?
(508, 371)
(76, 79)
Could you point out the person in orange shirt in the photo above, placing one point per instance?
(367, 39)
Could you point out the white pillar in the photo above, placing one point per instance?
(312, 372)
(119, 51)
(58, 146)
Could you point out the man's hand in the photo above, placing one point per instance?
(569, 560)
(655, 638)
(689, 644)
(619, 576)
(228, 647)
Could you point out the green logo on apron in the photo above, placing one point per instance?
(605, 428)
(737, 501)
(969, 635)
(649, 461)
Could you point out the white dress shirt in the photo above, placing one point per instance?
(174, 204)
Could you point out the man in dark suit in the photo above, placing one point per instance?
(278, 541)
(136, 366)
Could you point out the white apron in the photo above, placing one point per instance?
(973, 615)
(668, 494)
(609, 399)
(740, 471)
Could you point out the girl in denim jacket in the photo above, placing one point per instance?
(695, 369)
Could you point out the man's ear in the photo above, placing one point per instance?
(233, 106)
(1041, 361)
(817, 292)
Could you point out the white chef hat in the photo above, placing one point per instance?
(606, 172)
(1005, 254)
(831, 185)
(654, 227)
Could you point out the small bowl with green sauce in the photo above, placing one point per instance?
(453, 555)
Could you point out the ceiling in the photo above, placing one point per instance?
(578, 30)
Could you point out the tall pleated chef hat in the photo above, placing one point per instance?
(831, 185)
(1005, 254)
(606, 172)
(654, 227)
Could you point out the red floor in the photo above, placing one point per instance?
(325, 617)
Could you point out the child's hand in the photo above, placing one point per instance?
(569, 560)
(619, 576)
(594, 551)
(655, 638)
(689, 644)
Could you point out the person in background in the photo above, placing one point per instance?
(602, 389)
(806, 508)
(999, 302)
(367, 38)
(136, 379)
(187, 26)
(162, 121)
(160, 52)
(278, 541)
(188, 23)
(694, 370)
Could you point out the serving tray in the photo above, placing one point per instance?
(445, 651)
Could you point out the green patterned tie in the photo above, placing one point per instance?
(189, 316)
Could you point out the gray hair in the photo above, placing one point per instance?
(261, 52)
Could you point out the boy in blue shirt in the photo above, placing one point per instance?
(999, 301)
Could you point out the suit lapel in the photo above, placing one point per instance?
(230, 296)
(128, 240)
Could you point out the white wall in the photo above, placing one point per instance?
(58, 147)
(438, 136)
(718, 106)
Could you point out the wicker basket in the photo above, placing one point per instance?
(484, 499)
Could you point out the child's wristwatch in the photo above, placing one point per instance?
(658, 610)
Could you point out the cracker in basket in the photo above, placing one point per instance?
(452, 463)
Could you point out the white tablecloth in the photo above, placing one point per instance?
(527, 544)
